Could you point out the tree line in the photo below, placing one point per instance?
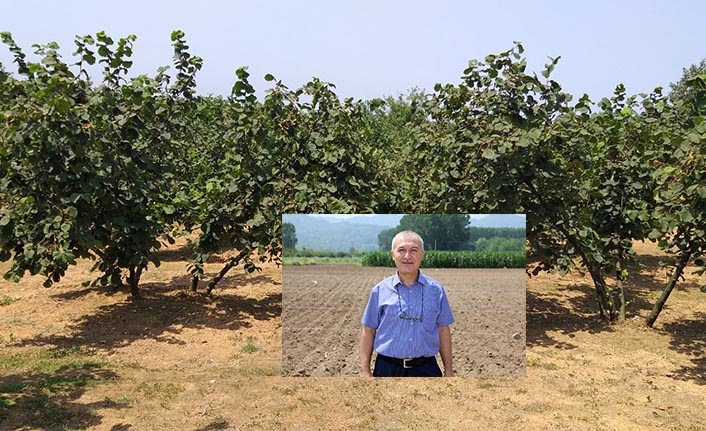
(113, 170)
(439, 231)
(454, 232)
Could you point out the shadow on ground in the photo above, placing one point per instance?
(48, 400)
(577, 310)
(567, 315)
(181, 283)
(163, 311)
(34, 397)
(689, 338)
(215, 425)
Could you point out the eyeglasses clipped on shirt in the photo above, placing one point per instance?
(406, 316)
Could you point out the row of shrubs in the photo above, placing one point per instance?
(455, 259)
(310, 252)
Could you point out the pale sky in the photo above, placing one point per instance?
(375, 48)
(345, 216)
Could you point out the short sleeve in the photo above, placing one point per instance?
(371, 316)
(445, 316)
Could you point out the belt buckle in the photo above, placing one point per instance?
(404, 363)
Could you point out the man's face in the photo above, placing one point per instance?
(407, 254)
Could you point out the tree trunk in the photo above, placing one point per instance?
(134, 281)
(232, 262)
(621, 296)
(606, 306)
(115, 282)
(197, 273)
(621, 292)
(668, 289)
(227, 267)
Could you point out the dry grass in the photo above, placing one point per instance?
(77, 358)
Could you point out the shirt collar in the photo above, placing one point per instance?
(421, 279)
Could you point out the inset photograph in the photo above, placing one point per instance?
(395, 295)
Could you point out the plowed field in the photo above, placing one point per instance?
(323, 304)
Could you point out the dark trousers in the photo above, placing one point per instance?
(384, 368)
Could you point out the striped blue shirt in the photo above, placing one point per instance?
(401, 338)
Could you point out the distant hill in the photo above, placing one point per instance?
(320, 233)
(501, 220)
(386, 220)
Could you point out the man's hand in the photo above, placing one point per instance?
(367, 337)
(445, 350)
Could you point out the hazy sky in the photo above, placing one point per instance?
(345, 216)
(375, 48)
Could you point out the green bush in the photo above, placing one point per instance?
(454, 259)
(310, 252)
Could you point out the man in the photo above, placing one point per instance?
(407, 319)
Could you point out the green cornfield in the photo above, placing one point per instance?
(455, 259)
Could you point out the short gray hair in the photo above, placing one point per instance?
(407, 234)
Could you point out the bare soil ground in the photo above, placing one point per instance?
(78, 358)
(323, 305)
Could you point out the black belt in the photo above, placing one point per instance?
(407, 363)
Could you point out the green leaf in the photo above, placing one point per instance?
(12, 276)
(269, 77)
(258, 219)
(177, 34)
(524, 142)
(686, 216)
(238, 87)
(702, 192)
(62, 106)
(489, 153)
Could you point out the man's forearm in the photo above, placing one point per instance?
(367, 337)
(445, 350)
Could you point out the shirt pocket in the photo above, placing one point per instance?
(431, 314)
(388, 309)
